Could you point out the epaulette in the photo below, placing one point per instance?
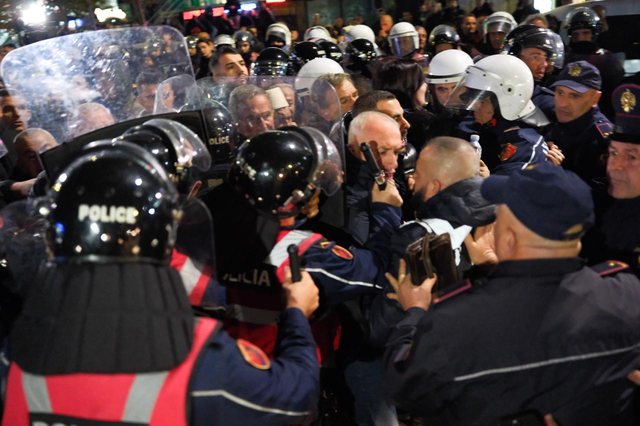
(452, 291)
(605, 128)
(609, 267)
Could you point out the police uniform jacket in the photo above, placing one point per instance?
(547, 334)
(583, 143)
(506, 145)
(459, 204)
(621, 229)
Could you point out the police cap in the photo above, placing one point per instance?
(552, 202)
(627, 122)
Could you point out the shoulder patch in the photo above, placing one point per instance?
(508, 151)
(254, 356)
(605, 129)
(325, 244)
(609, 267)
(342, 252)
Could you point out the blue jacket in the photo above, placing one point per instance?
(544, 334)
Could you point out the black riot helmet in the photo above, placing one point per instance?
(112, 203)
(304, 51)
(223, 135)
(176, 147)
(332, 50)
(443, 34)
(278, 171)
(531, 36)
(361, 51)
(583, 18)
(272, 61)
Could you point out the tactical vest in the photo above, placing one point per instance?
(86, 399)
(255, 298)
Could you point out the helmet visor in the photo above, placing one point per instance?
(466, 98)
(403, 45)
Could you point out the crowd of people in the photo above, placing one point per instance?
(432, 221)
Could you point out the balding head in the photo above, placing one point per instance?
(373, 126)
(89, 117)
(28, 144)
(444, 161)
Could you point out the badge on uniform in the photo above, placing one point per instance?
(508, 151)
(342, 252)
(253, 355)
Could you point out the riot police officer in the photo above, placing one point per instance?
(583, 28)
(498, 90)
(120, 341)
(537, 48)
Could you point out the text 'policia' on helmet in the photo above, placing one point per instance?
(503, 76)
(112, 204)
(448, 67)
(531, 36)
(583, 18)
(272, 61)
(403, 39)
(278, 33)
(278, 171)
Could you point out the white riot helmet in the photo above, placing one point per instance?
(506, 77)
(360, 31)
(403, 39)
(224, 39)
(501, 22)
(448, 67)
(317, 33)
(278, 32)
(314, 69)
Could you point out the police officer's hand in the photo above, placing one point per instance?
(23, 188)
(302, 294)
(481, 246)
(388, 195)
(634, 376)
(407, 294)
(554, 155)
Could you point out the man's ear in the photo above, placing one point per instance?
(433, 187)
(596, 97)
(510, 241)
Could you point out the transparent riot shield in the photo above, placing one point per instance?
(195, 259)
(259, 103)
(22, 244)
(82, 82)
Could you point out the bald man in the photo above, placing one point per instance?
(28, 144)
(542, 333)
(446, 199)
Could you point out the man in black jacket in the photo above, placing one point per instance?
(542, 333)
(447, 200)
